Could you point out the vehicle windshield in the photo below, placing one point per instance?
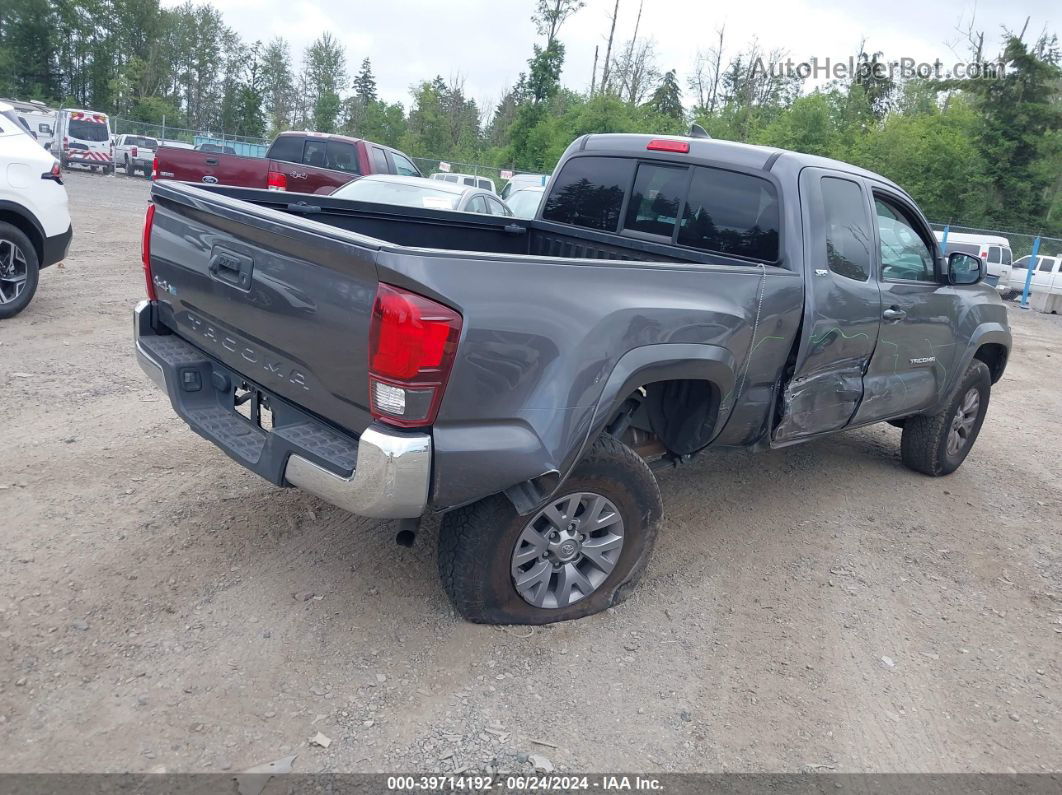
(85, 130)
(524, 203)
(369, 190)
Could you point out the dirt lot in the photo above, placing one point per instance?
(816, 608)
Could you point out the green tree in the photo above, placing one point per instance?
(667, 99)
(365, 82)
(325, 74)
(278, 85)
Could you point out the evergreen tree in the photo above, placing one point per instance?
(365, 82)
(667, 99)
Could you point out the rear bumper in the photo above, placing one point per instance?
(384, 473)
(56, 246)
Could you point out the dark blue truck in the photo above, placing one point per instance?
(672, 295)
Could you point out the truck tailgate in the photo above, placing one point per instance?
(283, 301)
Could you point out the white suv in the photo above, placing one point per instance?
(34, 219)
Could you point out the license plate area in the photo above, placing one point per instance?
(253, 404)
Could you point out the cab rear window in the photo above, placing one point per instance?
(712, 210)
(589, 192)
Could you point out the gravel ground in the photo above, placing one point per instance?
(813, 608)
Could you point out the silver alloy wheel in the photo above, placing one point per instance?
(567, 550)
(963, 421)
(13, 271)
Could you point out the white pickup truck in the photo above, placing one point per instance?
(135, 153)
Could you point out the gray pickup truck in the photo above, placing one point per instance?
(671, 295)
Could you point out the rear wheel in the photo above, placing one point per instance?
(938, 444)
(19, 270)
(579, 554)
(130, 168)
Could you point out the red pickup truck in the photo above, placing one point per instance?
(304, 162)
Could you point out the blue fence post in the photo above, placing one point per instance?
(1029, 274)
(944, 240)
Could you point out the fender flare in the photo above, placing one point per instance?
(668, 361)
(985, 333)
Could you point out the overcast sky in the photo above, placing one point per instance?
(488, 42)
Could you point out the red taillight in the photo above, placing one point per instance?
(54, 174)
(145, 251)
(664, 145)
(134, 151)
(154, 168)
(412, 344)
(276, 181)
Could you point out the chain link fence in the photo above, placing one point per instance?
(239, 144)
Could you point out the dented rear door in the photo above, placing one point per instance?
(842, 308)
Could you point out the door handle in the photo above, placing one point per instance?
(212, 161)
(893, 313)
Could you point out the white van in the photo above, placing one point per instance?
(994, 250)
(84, 138)
(483, 183)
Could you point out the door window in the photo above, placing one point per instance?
(404, 166)
(1045, 264)
(904, 254)
(847, 229)
(995, 255)
(495, 207)
(477, 205)
(379, 160)
(1007, 256)
(655, 200)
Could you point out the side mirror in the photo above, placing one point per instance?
(965, 268)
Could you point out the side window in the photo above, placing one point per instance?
(731, 213)
(1022, 263)
(314, 154)
(655, 200)
(496, 207)
(1045, 264)
(904, 254)
(847, 229)
(403, 165)
(342, 157)
(477, 205)
(287, 148)
(379, 161)
(995, 255)
(589, 192)
(484, 184)
(1007, 256)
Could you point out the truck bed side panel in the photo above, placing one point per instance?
(300, 324)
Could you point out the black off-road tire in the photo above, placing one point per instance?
(130, 169)
(15, 235)
(476, 542)
(924, 444)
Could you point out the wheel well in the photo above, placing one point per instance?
(995, 356)
(20, 222)
(675, 416)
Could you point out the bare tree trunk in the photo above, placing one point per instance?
(608, 49)
(593, 74)
(630, 48)
(714, 94)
